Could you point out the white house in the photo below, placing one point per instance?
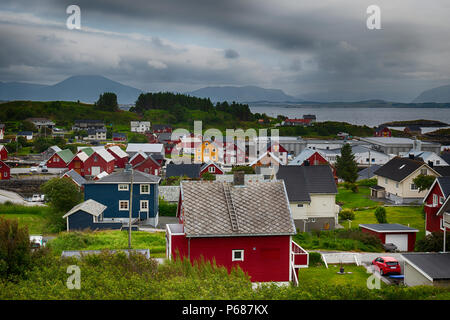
(364, 156)
(140, 126)
(427, 156)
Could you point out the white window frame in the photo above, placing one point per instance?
(121, 186)
(124, 201)
(413, 185)
(140, 206)
(424, 171)
(435, 200)
(140, 188)
(441, 224)
(233, 258)
(212, 169)
(441, 200)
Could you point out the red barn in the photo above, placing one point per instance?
(5, 171)
(60, 159)
(212, 168)
(402, 236)
(249, 226)
(149, 165)
(435, 203)
(120, 156)
(382, 131)
(138, 157)
(3, 152)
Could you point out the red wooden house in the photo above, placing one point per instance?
(60, 159)
(162, 128)
(120, 156)
(3, 153)
(297, 122)
(436, 202)
(92, 162)
(148, 165)
(249, 226)
(311, 157)
(5, 171)
(382, 131)
(212, 168)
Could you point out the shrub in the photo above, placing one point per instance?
(433, 242)
(15, 248)
(167, 209)
(380, 215)
(346, 214)
(367, 182)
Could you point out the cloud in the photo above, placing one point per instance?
(231, 54)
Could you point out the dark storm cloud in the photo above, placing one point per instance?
(231, 54)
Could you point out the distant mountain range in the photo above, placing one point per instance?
(243, 94)
(439, 94)
(85, 88)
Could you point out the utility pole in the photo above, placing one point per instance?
(131, 208)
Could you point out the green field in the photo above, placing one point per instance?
(322, 275)
(112, 239)
(32, 217)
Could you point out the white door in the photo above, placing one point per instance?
(400, 240)
(95, 171)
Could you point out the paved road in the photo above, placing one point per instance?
(27, 170)
(16, 199)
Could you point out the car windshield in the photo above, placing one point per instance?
(391, 263)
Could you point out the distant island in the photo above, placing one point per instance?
(420, 123)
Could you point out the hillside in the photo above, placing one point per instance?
(439, 95)
(242, 94)
(85, 88)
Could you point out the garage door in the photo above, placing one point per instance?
(400, 240)
(95, 171)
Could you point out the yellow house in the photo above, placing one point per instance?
(207, 151)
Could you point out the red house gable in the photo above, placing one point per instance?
(247, 226)
(120, 156)
(211, 168)
(383, 132)
(3, 153)
(436, 198)
(5, 171)
(149, 165)
(138, 158)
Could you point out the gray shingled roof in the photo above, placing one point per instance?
(125, 177)
(388, 227)
(76, 177)
(444, 182)
(435, 265)
(261, 208)
(301, 181)
(398, 168)
(90, 206)
(367, 173)
(442, 170)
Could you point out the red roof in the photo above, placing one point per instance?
(298, 120)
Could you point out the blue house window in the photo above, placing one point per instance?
(145, 189)
(123, 187)
(123, 205)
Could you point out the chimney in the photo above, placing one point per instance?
(127, 167)
(239, 178)
(306, 163)
(411, 156)
(430, 163)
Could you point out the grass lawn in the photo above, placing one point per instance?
(351, 200)
(404, 215)
(32, 217)
(111, 239)
(317, 275)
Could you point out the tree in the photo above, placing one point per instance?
(380, 215)
(423, 182)
(208, 176)
(28, 126)
(246, 169)
(346, 166)
(138, 138)
(107, 102)
(15, 249)
(63, 195)
(433, 242)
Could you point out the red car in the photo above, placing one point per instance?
(387, 265)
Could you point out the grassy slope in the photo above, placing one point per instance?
(315, 275)
(353, 200)
(112, 239)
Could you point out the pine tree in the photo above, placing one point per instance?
(346, 166)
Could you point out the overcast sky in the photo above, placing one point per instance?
(319, 49)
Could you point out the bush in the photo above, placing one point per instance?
(433, 242)
(15, 248)
(367, 182)
(347, 214)
(167, 209)
(380, 215)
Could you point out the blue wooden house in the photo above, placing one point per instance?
(114, 191)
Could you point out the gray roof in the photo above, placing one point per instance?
(446, 156)
(191, 170)
(169, 193)
(442, 170)
(368, 173)
(398, 168)
(444, 182)
(434, 265)
(261, 209)
(301, 181)
(76, 177)
(388, 227)
(125, 177)
(89, 206)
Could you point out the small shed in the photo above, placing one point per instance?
(427, 269)
(89, 215)
(402, 236)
